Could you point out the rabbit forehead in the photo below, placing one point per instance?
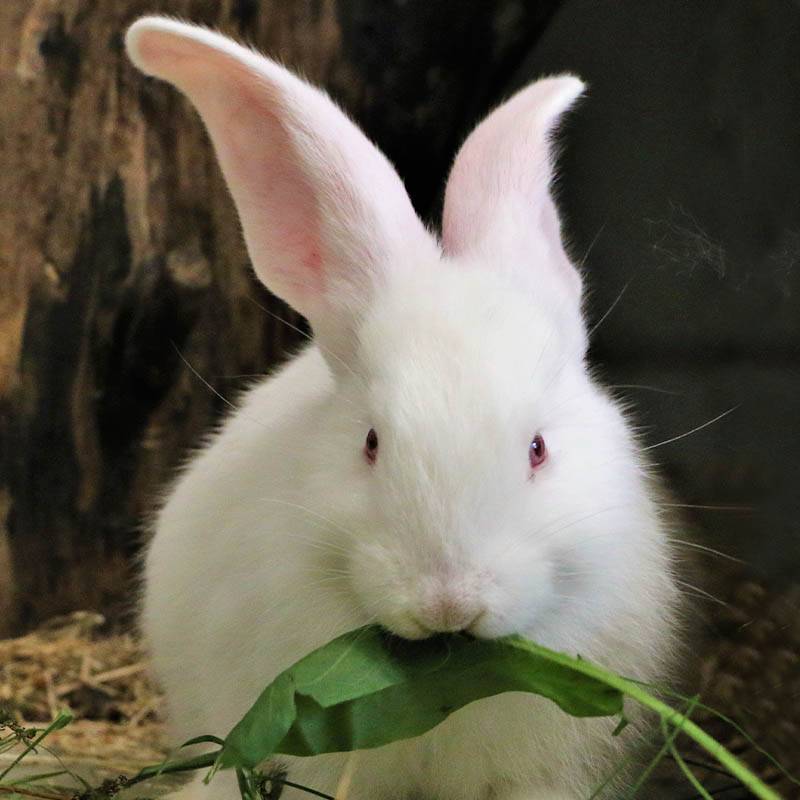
(460, 341)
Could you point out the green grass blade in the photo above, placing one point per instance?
(61, 721)
(42, 776)
(663, 750)
(738, 728)
(684, 767)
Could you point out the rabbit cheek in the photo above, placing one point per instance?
(521, 594)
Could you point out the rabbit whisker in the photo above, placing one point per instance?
(703, 507)
(705, 549)
(644, 387)
(205, 382)
(602, 319)
(693, 430)
(582, 262)
(702, 593)
(310, 338)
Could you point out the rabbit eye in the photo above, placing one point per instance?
(537, 453)
(371, 446)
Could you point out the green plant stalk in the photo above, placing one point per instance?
(187, 765)
(61, 721)
(21, 791)
(690, 776)
(739, 729)
(669, 737)
(204, 761)
(628, 688)
(708, 743)
(37, 778)
(671, 717)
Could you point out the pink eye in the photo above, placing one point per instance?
(371, 446)
(537, 452)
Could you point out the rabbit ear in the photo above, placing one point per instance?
(323, 211)
(498, 205)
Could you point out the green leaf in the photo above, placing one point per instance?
(31, 779)
(206, 739)
(621, 725)
(366, 689)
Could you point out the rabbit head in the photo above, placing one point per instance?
(484, 482)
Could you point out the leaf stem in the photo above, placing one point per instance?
(23, 792)
(61, 721)
(305, 789)
(187, 765)
(671, 717)
(669, 737)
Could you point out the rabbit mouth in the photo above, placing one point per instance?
(407, 626)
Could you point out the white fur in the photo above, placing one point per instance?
(279, 535)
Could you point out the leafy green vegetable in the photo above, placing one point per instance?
(366, 689)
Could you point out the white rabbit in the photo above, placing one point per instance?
(440, 459)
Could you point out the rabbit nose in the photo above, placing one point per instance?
(448, 613)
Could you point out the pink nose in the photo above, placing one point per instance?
(446, 613)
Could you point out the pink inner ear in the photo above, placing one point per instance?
(157, 52)
(245, 118)
(505, 160)
(277, 203)
(278, 207)
(498, 199)
(323, 212)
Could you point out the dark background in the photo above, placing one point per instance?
(120, 261)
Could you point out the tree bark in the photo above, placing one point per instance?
(128, 312)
